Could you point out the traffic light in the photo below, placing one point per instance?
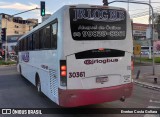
(42, 8)
(3, 34)
(105, 2)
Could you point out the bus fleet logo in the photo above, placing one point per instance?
(88, 62)
(25, 56)
(107, 15)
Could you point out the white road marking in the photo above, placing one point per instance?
(154, 101)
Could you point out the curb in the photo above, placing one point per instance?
(147, 85)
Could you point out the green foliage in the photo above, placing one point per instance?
(2, 62)
(146, 59)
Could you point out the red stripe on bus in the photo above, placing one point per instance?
(80, 97)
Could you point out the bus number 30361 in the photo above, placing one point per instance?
(76, 74)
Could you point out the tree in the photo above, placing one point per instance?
(158, 47)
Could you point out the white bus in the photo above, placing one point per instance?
(81, 55)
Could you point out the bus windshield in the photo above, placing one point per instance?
(97, 24)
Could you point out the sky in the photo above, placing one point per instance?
(15, 6)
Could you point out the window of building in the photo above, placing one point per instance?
(16, 32)
(16, 26)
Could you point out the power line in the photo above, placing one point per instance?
(137, 9)
(145, 9)
(144, 13)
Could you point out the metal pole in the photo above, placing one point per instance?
(140, 58)
(25, 11)
(128, 6)
(150, 45)
(149, 12)
(152, 26)
(6, 44)
(138, 73)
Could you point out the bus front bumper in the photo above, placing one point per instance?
(80, 97)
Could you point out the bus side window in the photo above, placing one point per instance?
(30, 42)
(27, 43)
(54, 36)
(19, 45)
(47, 40)
(41, 37)
(33, 41)
(36, 41)
(132, 28)
(24, 44)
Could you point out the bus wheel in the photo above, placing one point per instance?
(38, 85)
(20, 71)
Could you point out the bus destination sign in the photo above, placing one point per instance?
(97, 24)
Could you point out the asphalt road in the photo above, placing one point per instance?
(17, 92)
(147, 69)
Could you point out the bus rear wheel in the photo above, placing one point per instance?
(20, 71)
(38, 85)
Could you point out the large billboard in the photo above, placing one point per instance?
(139, 31)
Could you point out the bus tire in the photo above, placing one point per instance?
(20, 71)
(38, 84)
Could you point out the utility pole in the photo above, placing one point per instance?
(149, 20)
(152, 37)
(6, 44)
(149, 13)
(151, 45)
(128, 6)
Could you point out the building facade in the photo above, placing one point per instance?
(139, 31)
(15, 27)
(139, 34)
(139, 37)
